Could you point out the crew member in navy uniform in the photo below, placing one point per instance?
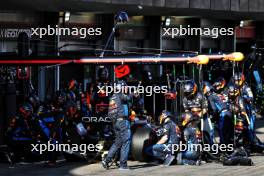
(193, 100)
(247, 94)
(237, 106)
(217, 107)
(21, 133)
(220, 89)
(169, 136)
(118, 113)
(191, 137)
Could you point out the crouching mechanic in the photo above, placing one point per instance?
(118, 113)
(192, 138)
(163, 149)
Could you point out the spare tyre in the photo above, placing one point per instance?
(142, 138)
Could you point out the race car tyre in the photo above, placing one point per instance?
(142, 138)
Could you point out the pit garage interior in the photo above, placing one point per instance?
(142, 35)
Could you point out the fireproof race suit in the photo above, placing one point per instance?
(196, 105)
(118, 113)
(161, 150)
(197, 102)
(191, 155)
(219, 108)
(238, 108)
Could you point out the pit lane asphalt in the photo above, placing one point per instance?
(140, 169)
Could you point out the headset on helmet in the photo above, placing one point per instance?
(233, 91)
(219, 84)
(239, 79)
(190, 89)
(26, 109)
(207, 88)
(71, 96)
(164, 115)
